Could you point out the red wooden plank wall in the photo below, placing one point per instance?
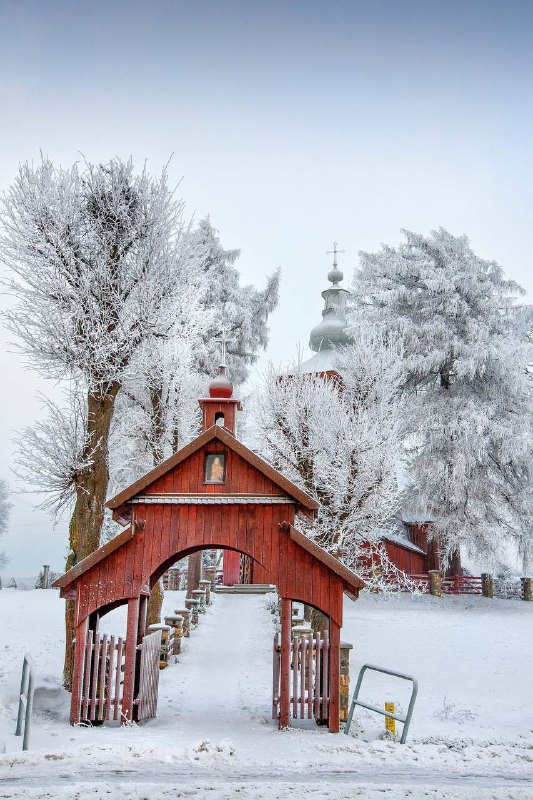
(188, 477)
(173, 531)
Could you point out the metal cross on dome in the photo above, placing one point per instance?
(334, 252)
(224, 339)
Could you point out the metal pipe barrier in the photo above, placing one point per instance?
(406, 721)
(25, 700)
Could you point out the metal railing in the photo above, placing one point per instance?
(25, 701)
(356, 702)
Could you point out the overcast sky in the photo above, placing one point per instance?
(292, 124)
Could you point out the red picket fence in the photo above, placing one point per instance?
(102, 680)
(309, 676)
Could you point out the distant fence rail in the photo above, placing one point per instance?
(506, 588)
(487, 585)
(462, 584)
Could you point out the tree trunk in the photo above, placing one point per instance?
(155, 604)
(194, 572)
(319, 621)
(454, 565)
(88, 515)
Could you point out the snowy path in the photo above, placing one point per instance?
(220, 683)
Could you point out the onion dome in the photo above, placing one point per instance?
(331, 333)
(221, 386)
(335, 275)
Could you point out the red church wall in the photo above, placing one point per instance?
(403, 558)
(406, 560)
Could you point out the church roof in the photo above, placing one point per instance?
(323, 361)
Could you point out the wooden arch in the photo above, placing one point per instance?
(173, 511)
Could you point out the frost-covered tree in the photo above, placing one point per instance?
(339, 439)
(465, 385)
(242, 310)
(5, 507)
(95, 253)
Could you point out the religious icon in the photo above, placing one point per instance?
(215, 468)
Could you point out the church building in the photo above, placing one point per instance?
(407, 545)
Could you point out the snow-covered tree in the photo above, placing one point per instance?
(242, 310)
(468, 399)
(96, 254)
(5, 506)
(339, 439)
(54, 451)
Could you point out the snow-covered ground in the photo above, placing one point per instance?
(471, 736)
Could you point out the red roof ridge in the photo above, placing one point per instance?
(352, 582)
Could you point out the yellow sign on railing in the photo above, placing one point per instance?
(390, 724)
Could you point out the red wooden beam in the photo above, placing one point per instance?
(79, 656)
(334, 676)
(286, 622)
(130, 652)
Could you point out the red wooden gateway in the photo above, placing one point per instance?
(214, 493)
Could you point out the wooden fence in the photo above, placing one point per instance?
(309, 676)
(102, 681)
(462, 584)
(505, 588)
(455, 584)
(149, 676)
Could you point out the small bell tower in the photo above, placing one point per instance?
(220, 408)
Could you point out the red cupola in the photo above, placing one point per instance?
(220, 408)
(221, 386)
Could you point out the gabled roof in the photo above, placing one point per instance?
(351, 581)
(93, 558)
(216, 432)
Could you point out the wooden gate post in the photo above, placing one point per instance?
(130, 653)
(334, 676)
(285, 666)
(77, 678)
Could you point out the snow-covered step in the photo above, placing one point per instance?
(245, 588)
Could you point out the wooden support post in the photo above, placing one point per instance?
(334, 676)
(435, 583)
(199, 594)
(206, 586)
(46, 577)
(143, 617)
(185, 613)
(211, 574)
(77, 677)
(192, 606)
(345, 681)
(487, 585)
(176, 621)
(285, 666)
(130, 652)
(527, 588)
